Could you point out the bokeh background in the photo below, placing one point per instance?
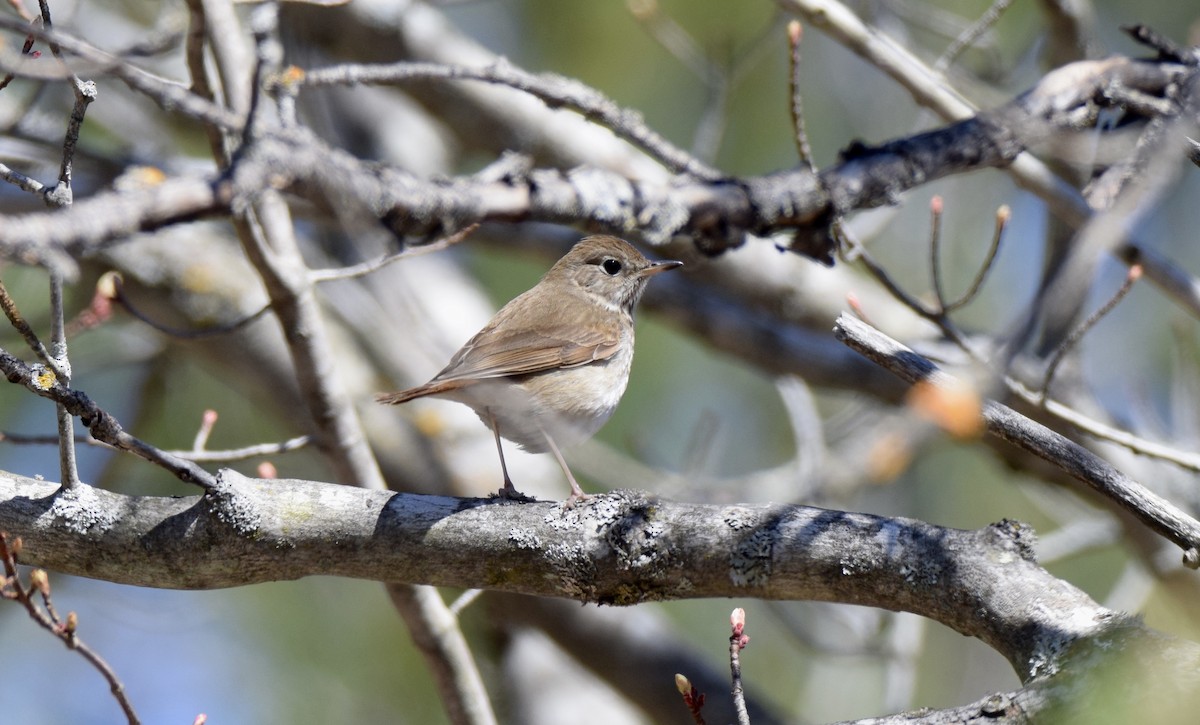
(695, 424)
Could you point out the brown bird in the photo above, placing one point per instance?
(552, 365)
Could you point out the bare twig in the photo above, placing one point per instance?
(24, 439)
(936, 206)
(167, 94)
(930, 91)
(1003, 214)
(198, 71)
(268, 238)
(555, 91)
(21, 181)
(796, 106)
(241, 454)
(1173, 281)
(58, 350)
(937, 317)
(229, 455)
(1073, 338)
(1167, 48)
(464, 600)
(26, 49)
(85, 93)
(1096, 429)
(207, 421)
(738, 640)
(969, 36)
(11, 587)
(1184, 459)
(9, 305)
(119, 295)
(102, 425)
(1157, 513)
(360, 270)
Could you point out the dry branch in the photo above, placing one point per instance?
(1157, 513)
(715, 214)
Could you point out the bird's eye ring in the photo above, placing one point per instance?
(611, 266)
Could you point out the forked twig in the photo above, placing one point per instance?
(45, 616)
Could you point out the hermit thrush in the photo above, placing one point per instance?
(552, 364)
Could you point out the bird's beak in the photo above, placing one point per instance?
(660, 267)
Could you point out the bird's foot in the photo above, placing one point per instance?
(510, 493)
(577, 495)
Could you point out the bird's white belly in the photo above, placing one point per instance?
(569, 404)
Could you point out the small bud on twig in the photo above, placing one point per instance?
(683, 684)
(40, 580)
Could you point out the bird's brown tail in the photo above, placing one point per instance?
(430, 388)
(397, 398)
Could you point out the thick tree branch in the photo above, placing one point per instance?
(620, 549)
(717, 215)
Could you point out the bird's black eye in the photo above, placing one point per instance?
(611, 266)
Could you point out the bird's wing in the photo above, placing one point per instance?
(530, 351)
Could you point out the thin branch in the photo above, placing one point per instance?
(1003, 214)
(26, 49)
(25, 439)
(365, 268)
(169, 95)
(464, 600)
(972, 34)
(1184, 459)
(1073, 338)
(68, 469)
(268, 238)
(65, 630)
(556, 91)
(22, 182)
(937, 317)
(102, 425)
(738, 640)
(123, 299)
(1158, 514)
(1090, 426)
(228, 455)
(85, 93)
(1167, 48)
(9, 305)
(198, 71)
(929, 90)
(207, 422)
(936, 206)
(796, 106)
(1172, 280)
(240, 454)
